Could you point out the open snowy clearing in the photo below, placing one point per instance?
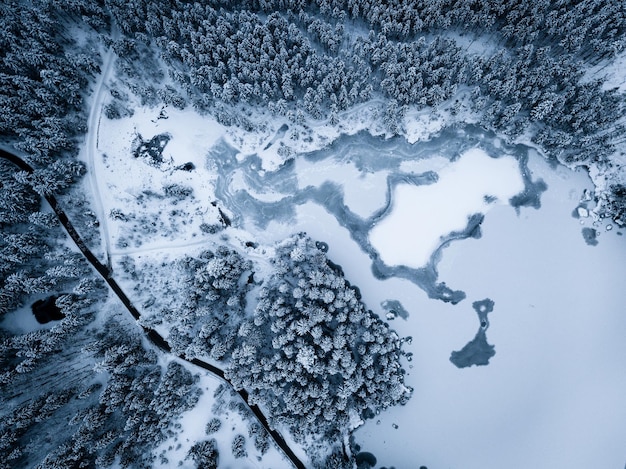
(148, 203)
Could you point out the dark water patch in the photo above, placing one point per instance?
(368, 414)
(46, 310)
(322, 246)
(477, 352)
(189, 166)
(151, 150)
(365, 460)
(590, 236)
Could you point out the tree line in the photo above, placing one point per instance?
(318, 58)
(297, 58)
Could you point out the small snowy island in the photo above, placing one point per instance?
(421, 217)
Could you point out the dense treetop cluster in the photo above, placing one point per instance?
(200, 299)
(89, 424)
(312, 355)
(43, 78)
(33, 261)
(237, 56)
(525, 78)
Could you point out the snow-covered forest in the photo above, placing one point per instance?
(196, 238)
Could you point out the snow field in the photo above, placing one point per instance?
(155, 219)
(422, 215)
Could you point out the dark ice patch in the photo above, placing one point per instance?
(322, 246)
(530, 196)
(590, 236)
(476, 352)
(581, 211)
(395, 308)
(473, 226)
(483, 308)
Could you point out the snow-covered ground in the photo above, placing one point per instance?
(549, 397)
(216, 402)
(140, 209)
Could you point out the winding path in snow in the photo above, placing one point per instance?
(93, 124)
(157, 339)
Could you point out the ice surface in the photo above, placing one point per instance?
(553, 394)
(364, 191)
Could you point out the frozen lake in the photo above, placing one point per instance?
(552, 395)
(369, 185)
